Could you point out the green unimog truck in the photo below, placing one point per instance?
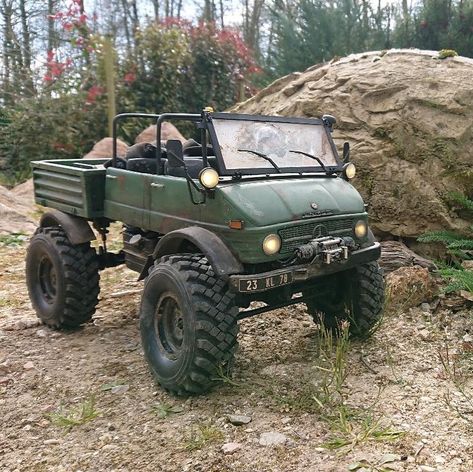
(258, 209)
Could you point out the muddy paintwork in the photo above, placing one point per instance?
(162, 203)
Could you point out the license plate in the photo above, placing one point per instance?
(257, 284)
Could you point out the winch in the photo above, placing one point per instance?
(328, 249)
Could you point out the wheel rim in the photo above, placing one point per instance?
(47, 279)
(169, 325)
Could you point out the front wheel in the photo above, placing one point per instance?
(356, 296)
(188, 324)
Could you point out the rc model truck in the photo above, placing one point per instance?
(257, 209)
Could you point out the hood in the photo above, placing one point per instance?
(268, 202)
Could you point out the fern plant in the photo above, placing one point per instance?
(459, 247)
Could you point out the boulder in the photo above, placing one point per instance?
(408, 287)
(408, 117)
(103, 149)
(168, 131)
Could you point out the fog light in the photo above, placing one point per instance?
(361, 229)
(271, 244)
(208, 177)
(349, 170)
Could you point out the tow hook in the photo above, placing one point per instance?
(327, 249)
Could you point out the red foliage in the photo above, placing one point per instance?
(129, 77)
(93, 93)
(78, 33)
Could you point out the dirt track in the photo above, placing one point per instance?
(45, 376)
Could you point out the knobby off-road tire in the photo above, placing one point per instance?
(188, 324)
(357, 296)
(62, 278)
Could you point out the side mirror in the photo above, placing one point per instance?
(346, 152)
(329, 121)
(175, 153)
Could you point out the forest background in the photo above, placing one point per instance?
(176, 55)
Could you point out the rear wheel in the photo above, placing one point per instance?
(356, 296)
(188, 324)
(62, 278)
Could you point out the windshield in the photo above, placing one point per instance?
(275, 140)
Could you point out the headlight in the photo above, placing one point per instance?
(349, 170)
(208, 177)
(271, 244)
(361, 229)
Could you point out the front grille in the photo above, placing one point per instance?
(294, 236)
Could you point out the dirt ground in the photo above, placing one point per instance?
(85, 400)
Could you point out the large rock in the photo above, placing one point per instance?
(103, 149)
(408, 117)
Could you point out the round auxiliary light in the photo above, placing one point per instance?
(349, 170)
(208, 177)
(361, 229)
(271, 244)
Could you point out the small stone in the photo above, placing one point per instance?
(238, 420)
(468, 338)
(109, 447)
(439, 460)
(286, 420)
(427, 468)
(272, 439)
(425, 307)
(424, 334)
(28, 365)
(19, 326)
(41, 333)
(51, 441)
(468, 265)
(230, 448)
(120, 389)
(4, 380)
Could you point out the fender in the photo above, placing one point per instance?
(223, 262)
(77, 229)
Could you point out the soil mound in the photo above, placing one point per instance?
(104, 149)
(408, 116)
(168, 131)
(15, 212)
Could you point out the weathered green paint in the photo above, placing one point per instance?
(162, 203)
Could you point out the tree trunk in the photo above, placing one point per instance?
(51, 30)
(395, 254)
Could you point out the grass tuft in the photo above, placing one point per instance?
(163, 410)
(201, 435)
(76, 416)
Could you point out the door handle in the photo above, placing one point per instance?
(111, 177)
(155, 185)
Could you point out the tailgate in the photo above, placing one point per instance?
(73, 186)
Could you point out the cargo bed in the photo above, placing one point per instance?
(73, 186)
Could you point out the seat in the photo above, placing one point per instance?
(193, 166)
(143, 165)
(141, 157)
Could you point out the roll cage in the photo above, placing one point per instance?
(204, 122)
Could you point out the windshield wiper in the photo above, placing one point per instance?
(328, 172)
(264, 156)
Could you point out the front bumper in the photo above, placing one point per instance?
(300, 273)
